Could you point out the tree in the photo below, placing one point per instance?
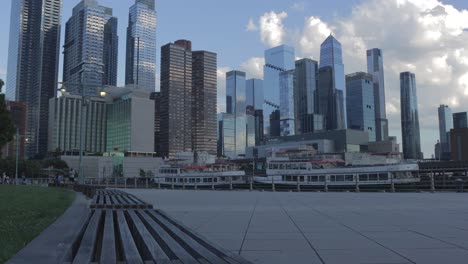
(7, 129)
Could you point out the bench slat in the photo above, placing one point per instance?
(204, 252)
(108, 253)
(157, 253)
(130, 250)
(178, 250)
(88, 243)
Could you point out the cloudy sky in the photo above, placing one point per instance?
(427, 37)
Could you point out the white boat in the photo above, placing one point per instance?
(332, 172)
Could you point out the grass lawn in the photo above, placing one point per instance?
(25, 212)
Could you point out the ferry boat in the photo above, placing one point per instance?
(333, 172)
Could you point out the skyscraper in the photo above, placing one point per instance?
(33, 65)
(156, 96)
(445, 125)
(236, 106)
(278, 59)
(329, 100)
(375, 67)
(306, 101)
(460, 120)
(204, 95)
(409, 116)
(140, 67)
(91, 47)
(360, 103)
(176, 98)
(331, 56)
(287, 109)
(254, 90)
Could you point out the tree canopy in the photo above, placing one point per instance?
(7, 129)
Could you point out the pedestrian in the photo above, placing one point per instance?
(4, 178)
(72, 175)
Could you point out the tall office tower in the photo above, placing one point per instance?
(409, 116)
(259, 135)
(287, 109)
(254, 90)
(176, 98)
(460, 120)
(140, 67)
(375, 67)
(156, 96)
(329, 100)
(331, 56)
(235, 105)
(306, 102)
(277, 60)
(90, 50)
(360, 103)
(250, 126)
(33, 65)
(226, 135)
(445, 125)
(204, 95)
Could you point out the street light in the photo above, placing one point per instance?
(84, 101)
(18, 136)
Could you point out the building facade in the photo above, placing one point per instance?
(236, 106)
(460, 120)
(329, 100)
(204, 96)
(445, 125)
(305, 97)
(459, 144)
(360, 103)
(90, 49)
(156, 96)
(409, 117)
(65, 124)
(176, 98)
(18, 116)
(278, 59)
(254, 90)
(375, 67)
(287, 103)
(331, 56)
(140, 69)
(226, 136)
(33, 60)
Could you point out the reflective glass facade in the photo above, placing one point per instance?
(254, 89)
(176, 98)
(33, 65)
(375, 67)
(236, 105)
(277, 60)
(409, 116)
(360, 104)
(90, 50)
(141, 46)
(287, 109)
(204, 93)
(445, 125)
(305, 90)
(226, 135)
(331, 56)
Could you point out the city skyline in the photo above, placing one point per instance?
(394, 62)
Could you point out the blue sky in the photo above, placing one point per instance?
(414, 35)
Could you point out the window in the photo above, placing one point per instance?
(363, 177)
(373, 177)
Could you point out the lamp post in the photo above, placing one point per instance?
(18, 137)
(84, 100)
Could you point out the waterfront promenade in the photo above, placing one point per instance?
(287, 227)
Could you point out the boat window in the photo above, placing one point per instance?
(321, 178)
(373, 177)
(349, 178)
(340, 178)
(301, 178)
(313, 178)
(332, 178)
(383, 176)
(303, 166)
(363, 177)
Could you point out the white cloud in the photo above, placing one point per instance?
(272, 29)
(251, 26)
(427, 37)
(253, 67)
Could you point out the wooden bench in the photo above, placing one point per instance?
(112, 233)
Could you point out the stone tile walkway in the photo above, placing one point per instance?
(267, 227)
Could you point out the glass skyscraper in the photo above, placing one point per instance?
(460, 120)
(254, 90)
(306, 101)
(32, 70)
(287, 109)
(445, 125)
(91, 47)
(360, 103)
(176, 98)
(409, 117)
(375, 67)
(278, 59)
(204, 94)
(141, 46)
(236, 106)
(331, 56)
